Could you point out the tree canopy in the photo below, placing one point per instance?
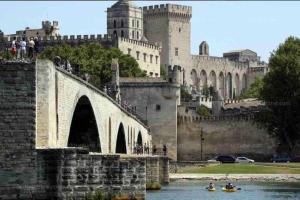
(254, 90)
(95, 60)
(281, 92)
(202, 110)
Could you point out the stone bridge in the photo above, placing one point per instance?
(72, 113)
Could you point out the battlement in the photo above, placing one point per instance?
(257, 69)
(66, 38)
(140, 43)
(220, 60)
(180, 10)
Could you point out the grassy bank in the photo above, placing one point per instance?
(244, 169)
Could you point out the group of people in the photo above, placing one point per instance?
(25, 49)
(140, 149)
(228, 186)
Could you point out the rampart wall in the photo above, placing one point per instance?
(236, 135)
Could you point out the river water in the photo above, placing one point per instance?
(195, 190)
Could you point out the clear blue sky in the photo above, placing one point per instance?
(255, 25)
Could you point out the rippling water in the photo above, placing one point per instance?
(195, 190)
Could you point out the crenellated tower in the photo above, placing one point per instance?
(169, 26)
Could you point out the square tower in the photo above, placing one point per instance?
(169, 26)
(125, 20)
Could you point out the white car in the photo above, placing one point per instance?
(243, 160)
(212, 160)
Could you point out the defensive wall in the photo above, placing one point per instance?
(236, 135)
(34, 165)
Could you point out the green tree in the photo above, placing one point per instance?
(203, 111)
(205, 90)
(281, 92)
(184, 95)
(95, 60)
(254, 90)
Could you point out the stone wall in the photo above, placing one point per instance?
(66, 173)
(227, 135)
(17, 128)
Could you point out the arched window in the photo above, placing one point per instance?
(122, 33)
(115, 33)
(115, 24)
(137, 35)
(122, 24)
(132, 34)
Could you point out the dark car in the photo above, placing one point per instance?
(226, 159)
(281, 158)
(296, 159)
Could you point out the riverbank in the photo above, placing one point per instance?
(236, 168)
(237, 177)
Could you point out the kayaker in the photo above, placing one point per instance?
(229, 186)
(211, 186)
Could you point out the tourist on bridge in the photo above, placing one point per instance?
(30, 48)
(165, 150)
(36, 47)
(13, 47)
(23, 48)
(154, 150)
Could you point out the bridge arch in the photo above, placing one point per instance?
(139, 141)
(121, 140)
(83, 131)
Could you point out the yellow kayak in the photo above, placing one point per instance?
(211, 189)
(229, 190)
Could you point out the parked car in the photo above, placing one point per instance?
(296, 159)
(244, 160)
(226, 159)
(281, 158)
(213, 160)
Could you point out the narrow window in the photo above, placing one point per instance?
(122, 33)
(156, 74)
(115, 33)
(137, 23)
(137, 35)
(176, 51)
(137, 55)
(132, 34)
(122, 24)
(115, 24)
(158, 107)
(151, 58)
(145, 57)
(151, 73)
(156, 59)
(129, 51)
(133, 23)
